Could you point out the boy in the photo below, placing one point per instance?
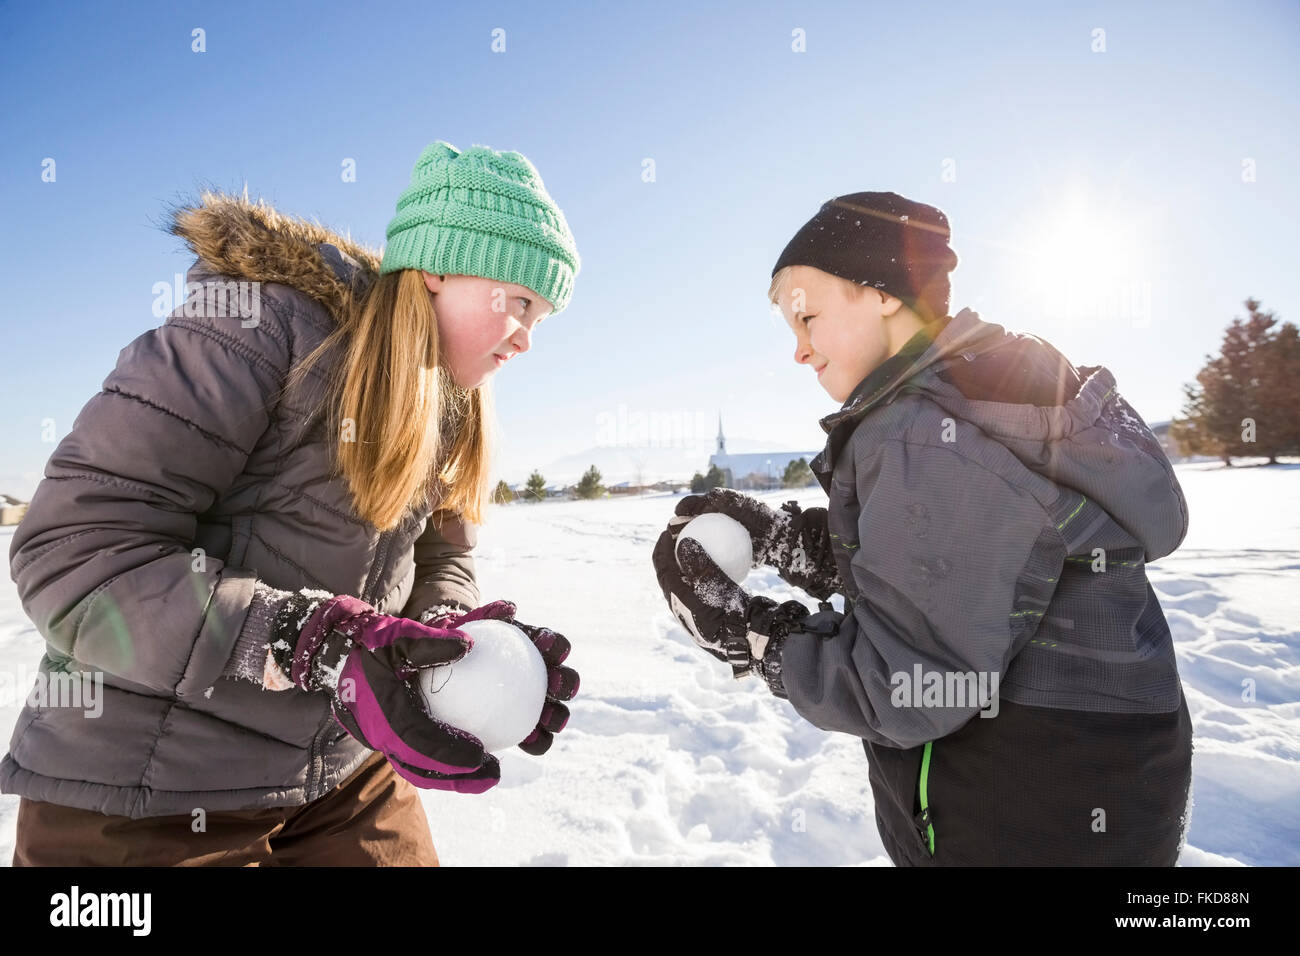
(1001, 653)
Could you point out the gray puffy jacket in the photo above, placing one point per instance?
(184, 449)
(992, 510)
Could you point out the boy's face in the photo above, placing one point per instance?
(482, 323)
(842, 339)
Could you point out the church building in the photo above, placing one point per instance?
(755, 471)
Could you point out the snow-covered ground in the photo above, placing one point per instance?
(667, 760)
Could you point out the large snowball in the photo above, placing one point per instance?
(494, 692)
(725, 540)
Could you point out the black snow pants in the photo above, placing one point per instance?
(1038, 786)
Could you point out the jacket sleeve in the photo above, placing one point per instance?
(102, 559)
(444, 565)
(943, 542)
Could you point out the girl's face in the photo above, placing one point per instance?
(840, 338)
(482, 323)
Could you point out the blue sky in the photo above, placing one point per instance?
(1096, 198)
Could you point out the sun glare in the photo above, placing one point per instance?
(1082, 245)
(1084, 258)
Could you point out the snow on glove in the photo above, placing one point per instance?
(795, 542)
(561, 682)
(368, 663)
(721, 617)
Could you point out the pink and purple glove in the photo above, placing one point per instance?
(368, 663)
(561, 682)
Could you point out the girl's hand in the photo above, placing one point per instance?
(561, 682)
(366, 661)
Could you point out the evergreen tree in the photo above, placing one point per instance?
(716, 478)
(1279, 394)
(589, 485)
(502, 494)
(1238, 406)
(536, 487)
(698, 484)
(797, 474)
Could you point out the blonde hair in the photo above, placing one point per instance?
(415, 437)
(852, 289)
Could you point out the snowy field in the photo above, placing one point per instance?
(667, 760)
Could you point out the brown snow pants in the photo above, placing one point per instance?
(373, 818)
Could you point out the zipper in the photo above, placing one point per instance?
(924, 818)
(312, 783)
(376, 568)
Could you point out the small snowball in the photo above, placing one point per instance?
(725, 540)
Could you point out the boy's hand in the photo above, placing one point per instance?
(795, 542)
(721, 617)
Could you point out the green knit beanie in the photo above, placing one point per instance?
(482, 213)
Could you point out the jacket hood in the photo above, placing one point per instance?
(1066, 423)
(233, 236)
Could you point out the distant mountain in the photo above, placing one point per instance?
(636, 464)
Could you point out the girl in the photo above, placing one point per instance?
(260, 530)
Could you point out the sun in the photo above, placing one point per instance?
(1084, 256)
(1078, 243)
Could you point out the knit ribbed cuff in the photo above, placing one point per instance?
(248, 659)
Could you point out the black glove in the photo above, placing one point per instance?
(772, 618)
(720, 616)
(795, 542)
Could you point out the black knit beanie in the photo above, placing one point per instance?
(882, 240)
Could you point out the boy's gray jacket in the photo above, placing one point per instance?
(992, 509)
(186, 489)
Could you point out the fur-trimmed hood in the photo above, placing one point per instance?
(233, 236)
(193, 447)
